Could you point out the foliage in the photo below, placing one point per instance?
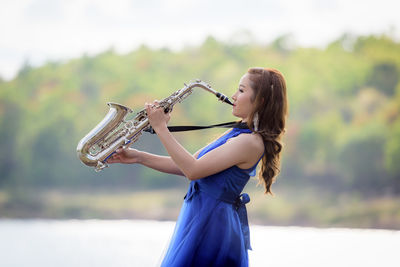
(343, 133)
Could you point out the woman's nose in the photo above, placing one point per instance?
(234, 96)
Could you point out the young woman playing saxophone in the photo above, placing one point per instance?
(212, 228)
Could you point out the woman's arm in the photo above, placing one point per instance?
(160, 163)
(243, 150)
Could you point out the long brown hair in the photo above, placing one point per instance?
(271, 105)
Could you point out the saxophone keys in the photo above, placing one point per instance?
(128, 125)
(100, 166)
(126, 141)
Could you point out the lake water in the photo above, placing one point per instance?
(103, 243)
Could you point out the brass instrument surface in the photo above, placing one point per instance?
(114, 131)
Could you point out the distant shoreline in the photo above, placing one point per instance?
(309, 209)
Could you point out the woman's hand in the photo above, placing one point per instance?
(125, 155)
(157, 117)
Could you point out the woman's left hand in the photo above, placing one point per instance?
(157, 117)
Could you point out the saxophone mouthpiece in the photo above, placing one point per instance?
(228, 101)
(224, 98)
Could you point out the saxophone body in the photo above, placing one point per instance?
(114, 131)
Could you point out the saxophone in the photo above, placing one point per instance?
(114, 131)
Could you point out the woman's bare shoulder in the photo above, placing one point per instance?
(251, 141)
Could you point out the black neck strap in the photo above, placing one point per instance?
(232, 124)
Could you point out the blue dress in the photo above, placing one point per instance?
(212, 228)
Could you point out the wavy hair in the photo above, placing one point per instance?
(271, 107)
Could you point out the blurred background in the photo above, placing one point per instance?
(61, 61)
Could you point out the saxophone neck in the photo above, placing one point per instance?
(207, 87)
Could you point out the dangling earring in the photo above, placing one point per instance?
(255, 122)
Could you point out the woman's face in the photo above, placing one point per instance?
(242, 99)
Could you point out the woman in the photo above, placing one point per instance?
(212, 227)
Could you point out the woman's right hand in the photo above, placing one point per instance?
(125, 156)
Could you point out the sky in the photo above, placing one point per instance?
(38, 31)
